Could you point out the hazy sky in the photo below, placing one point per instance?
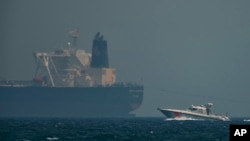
(185, 51)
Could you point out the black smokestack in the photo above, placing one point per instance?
(99, 52)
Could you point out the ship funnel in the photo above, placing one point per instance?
(99, 52)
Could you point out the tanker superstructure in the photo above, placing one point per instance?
(71, 83)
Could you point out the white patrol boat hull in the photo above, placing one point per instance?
(174, 113)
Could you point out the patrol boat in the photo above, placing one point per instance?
(202, 112)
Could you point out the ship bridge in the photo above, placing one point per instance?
(73, 67)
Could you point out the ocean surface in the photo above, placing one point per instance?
(113, 129)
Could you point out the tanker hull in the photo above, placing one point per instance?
(69, 101)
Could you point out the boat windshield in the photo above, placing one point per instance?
(198, 109)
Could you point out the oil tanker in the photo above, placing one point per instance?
(70, 82)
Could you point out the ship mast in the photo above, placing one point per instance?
(74, 34)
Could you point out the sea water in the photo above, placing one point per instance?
(112, 129)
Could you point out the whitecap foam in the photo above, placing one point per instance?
(25, 140)
(247, 120)
(52, 138)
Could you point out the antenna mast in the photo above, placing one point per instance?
(74, 34)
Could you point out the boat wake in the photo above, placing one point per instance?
(181, 118)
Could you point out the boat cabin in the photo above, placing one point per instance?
(202, 109)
